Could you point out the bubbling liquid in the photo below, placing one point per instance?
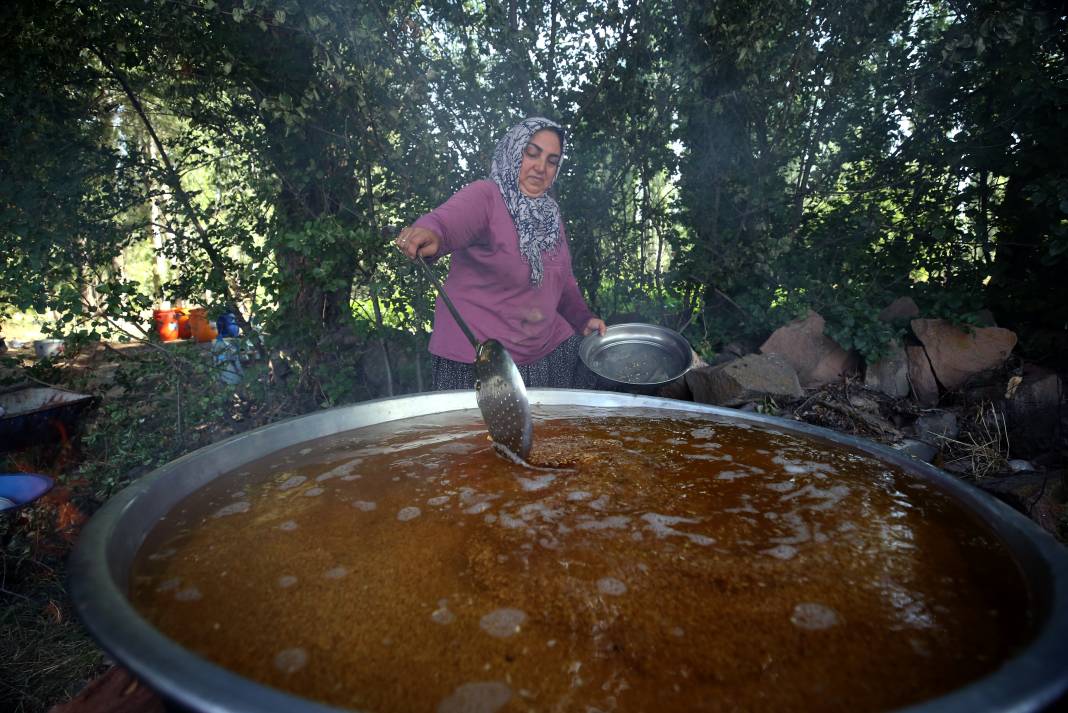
(678, 564)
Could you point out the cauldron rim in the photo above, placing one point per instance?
(99, 565)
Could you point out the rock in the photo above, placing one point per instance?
(921, 377)
(116, 691)
(985, 318)
(1018, 465)
(750, 378)
(933, 425)
(901, 309)
(890, 375)
(956, 355)
(917, 449)
(1040, 496)
(960, 466)
(734, 350)
(677, 389)
(815, 357)
(1033, 409)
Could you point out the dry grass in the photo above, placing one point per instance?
(45, 654)
(983, 443)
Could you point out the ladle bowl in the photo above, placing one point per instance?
(500, 391)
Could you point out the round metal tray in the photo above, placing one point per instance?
(637, 354)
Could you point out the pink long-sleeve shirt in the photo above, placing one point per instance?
(489, 282)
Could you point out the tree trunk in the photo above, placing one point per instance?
(551, 88)
(159, 264)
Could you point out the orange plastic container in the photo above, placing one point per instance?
(200, 328)
(166, 324)
(182, 314)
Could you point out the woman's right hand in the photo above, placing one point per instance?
(414, 241)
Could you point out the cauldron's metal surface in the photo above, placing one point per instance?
(100, 565)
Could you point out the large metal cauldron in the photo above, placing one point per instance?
(100, 565)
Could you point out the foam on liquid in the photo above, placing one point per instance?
(681, 564)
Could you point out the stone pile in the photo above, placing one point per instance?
(947, 394)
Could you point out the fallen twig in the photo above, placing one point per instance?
(872, 422)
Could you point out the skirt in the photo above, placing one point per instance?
(559, 369)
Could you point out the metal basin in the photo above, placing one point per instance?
(101, 563)
(636, 357)
(38, 414)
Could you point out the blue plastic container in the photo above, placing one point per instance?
(18, 489)
(226, 325)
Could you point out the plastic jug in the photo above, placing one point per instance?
(227, 326)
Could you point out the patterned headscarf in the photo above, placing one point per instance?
(537, 220)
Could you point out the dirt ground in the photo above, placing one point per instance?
(21, 329)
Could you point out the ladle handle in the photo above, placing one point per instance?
(448, 303)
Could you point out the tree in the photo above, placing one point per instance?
(733, 163)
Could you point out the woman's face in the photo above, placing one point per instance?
(541, 159)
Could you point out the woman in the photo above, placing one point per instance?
(510, 277)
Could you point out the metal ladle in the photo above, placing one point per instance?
(499, 389)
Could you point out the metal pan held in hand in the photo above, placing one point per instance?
(637, 354)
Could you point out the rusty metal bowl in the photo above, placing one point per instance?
(38, 414)
(1035, 678)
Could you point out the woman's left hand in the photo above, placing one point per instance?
(596, 324)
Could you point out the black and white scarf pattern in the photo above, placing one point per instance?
(537, 220)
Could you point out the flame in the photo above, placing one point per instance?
(65, 456)
(69, 520)
(53, 522)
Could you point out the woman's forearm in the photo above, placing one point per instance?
(573, 307)
(461, 220)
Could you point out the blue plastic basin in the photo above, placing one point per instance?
(18, 489)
